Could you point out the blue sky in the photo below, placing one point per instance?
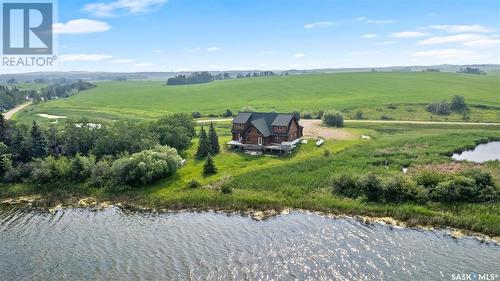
(178, 35)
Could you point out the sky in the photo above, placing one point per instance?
(188, 35)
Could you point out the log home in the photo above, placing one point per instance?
(266, 132)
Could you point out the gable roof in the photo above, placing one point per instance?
(242, 117)
(263, 121)
(282, 120)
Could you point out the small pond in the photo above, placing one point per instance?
(481, 153)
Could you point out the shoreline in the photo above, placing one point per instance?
(94, 204)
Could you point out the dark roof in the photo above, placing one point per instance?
(282, 120)
(242, 117)
(263, 121)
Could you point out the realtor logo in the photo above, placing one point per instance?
(27, 28)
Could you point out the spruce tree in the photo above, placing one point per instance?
(203, 147)
(3, 129)
(209, 167)
(213, 140)
(18, 147)
(38, 142)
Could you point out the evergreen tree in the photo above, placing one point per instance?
(209, 167)
(203, 145)
(3, 129)
(38, 142)
(19, 148)
(213, 140)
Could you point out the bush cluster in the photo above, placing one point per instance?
(333, 118)
(467, 186)
(130, 170)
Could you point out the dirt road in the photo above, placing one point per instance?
(8, 115)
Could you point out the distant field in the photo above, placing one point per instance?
(401, 96)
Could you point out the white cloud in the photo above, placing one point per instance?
(84, 57)
(158, 51)
(374, 21)
(320, 24)
(119, 7)
(409, 34)
(462, 28)
(468, 39)
(383, 43)
(298, 55)
(143, 64)
(214, 49)
(122, 61)
(377, 21)
(364, 53)
(368, 35)
(81, 26)
(448, 54)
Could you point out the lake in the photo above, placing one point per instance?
(481, 153)
(113, 244)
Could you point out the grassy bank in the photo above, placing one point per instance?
(303, 180)
(400, 96)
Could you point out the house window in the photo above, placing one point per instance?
(259, 141)
(239, 137)
(249, 130)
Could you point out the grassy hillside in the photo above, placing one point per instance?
(398, 95)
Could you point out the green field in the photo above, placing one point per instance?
(401, 96)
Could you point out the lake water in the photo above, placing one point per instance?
(481, 153)
(80, 244)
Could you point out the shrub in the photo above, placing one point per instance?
(296, 113)
(319, 114)
(439, 108)
(307, 115)
(326, 152)
(20, 173)
(228, 113)
(193, 184)
(100, 174)
(402, 189)
(146, 166)
(196, 114)
(81, 167)
(371, 186)
(346, 185)
(458, 104)
(359, 115)
(5, 163)
(386, 117)
(333, 118)
(428, 178)
(50, 170)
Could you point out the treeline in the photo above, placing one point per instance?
(11, 96)
(60, 91)
(256, 74)
(118, 155)
(457, 105)
(466, 186)
(196, 78)
(470, 70)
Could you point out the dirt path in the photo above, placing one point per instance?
(8, 115)
(376, 121)
(313, 129)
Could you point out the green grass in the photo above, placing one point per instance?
(371, 92)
